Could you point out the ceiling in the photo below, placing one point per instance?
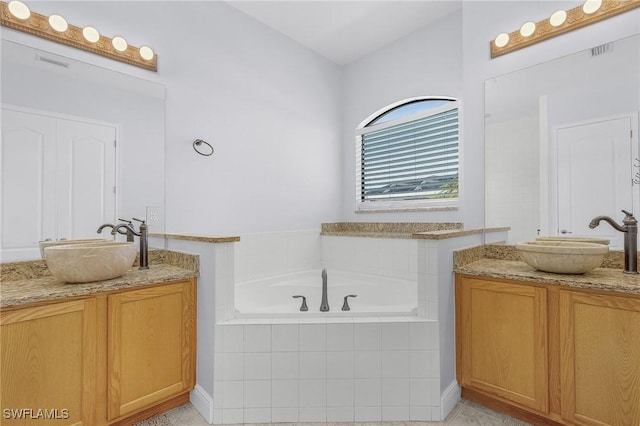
(346, 30)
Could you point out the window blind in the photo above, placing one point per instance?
(412, 160)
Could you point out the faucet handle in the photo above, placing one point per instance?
(629, 219)
(304, 306)
(125, 221)
(142, 221)
(345, 304)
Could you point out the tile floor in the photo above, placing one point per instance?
(466, 413)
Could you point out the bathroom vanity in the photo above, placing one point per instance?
(105, 353)
(549, 348)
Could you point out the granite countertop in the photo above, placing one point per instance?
(604, 279)
(30, 283)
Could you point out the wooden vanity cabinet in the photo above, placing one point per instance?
(106, 360)
(502, 340)
(600, 359)
(151, 346)
(547, 354)
(49, 364)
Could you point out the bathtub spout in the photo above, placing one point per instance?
(324, 306)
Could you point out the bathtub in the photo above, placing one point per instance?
(376, 295)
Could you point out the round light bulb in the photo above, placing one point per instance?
(591, 6)
(502, 40)
(146, 53)
(527, 29)
(119, 44)
(58, 23)
(19, 9)
(90, 34)
(557, 18)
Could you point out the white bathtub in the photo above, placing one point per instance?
(376, 295)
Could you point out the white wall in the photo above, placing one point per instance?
(270, 108)
(425, 63)
(224, 70)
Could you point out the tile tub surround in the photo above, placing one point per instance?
(25, 283)
(360, 369)
(425, 388)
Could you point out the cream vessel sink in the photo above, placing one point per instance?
(45, 244)
(563, 257)
(81, 263)
(595, 240)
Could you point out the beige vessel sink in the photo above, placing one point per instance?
(563, 257)
(97, 261)
(45, 244)
(595, 240)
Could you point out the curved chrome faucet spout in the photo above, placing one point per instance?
(324, 305)
(596, 221)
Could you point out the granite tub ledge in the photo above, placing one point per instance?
(603, 279)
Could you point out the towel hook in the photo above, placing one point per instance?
(206, 151)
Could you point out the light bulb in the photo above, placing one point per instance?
(58, 23)
(591, 6)
(119, 44)
(557, 18)
(502, 40)
(19, 9)
(146, 53)
(527, 29)
(90, 34)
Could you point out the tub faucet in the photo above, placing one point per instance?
(144, 239)
(630, 229)
(324, 305)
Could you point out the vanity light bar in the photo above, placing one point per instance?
(560, 22)
(16, 15)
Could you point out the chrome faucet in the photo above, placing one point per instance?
(630, 229)
(324, 305)
(144, 239)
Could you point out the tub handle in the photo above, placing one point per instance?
(345, 305)
(304, 306)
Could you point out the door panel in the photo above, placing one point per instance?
(86, 160)
(28, 150)
(595, 166)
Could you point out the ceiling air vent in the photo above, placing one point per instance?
(52, 61)
(602, 49)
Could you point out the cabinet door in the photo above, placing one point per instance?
(600, 361)
(151, 346)
(502, 340)
(49, 364)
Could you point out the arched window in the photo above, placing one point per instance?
(407, 155)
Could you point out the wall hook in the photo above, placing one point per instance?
(205, 151)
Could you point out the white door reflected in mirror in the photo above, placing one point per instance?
(58, 180)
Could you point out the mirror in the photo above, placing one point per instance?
(62, 173)
(561, 144)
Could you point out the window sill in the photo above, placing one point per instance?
(409, 209)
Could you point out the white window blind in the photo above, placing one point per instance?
(411, 160)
